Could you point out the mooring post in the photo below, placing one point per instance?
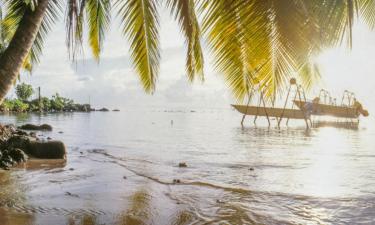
(303, 110)
(293, 103)
(264, 106)
(292, 82)
(39, 100)
(247, 106)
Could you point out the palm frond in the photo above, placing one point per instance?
(73, 28)
(222, 22)
(140, 22)
(367, 11)
(270, 41)
(309, 75)
(16, 10)
(184, 13)
(98, 13)
(53, 12)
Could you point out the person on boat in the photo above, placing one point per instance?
(309, 109)
(316, 100)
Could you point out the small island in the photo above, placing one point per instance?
(56, 103)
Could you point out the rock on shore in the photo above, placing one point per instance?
(16, 144)
(47, 150)
(36, 127)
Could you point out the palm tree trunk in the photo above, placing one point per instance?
(13, 57)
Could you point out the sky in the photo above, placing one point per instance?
(113, 83)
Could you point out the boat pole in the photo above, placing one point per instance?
(265, 110)
(304, 97)
(247, 106)
(256, 116)
(293, 103)
(302, 108)
(292, 82)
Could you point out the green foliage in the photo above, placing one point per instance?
(45, 104)
(14, 105)
(24, 91)
(57, 103)
(253, 42)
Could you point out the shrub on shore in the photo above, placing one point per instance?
(14, 105)
(43, 104)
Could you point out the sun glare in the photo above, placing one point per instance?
(350, 69)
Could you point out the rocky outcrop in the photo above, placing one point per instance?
(103, 110)
(47, 150)
(43, 127)
(10, 157)
(16, 144)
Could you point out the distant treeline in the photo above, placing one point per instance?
(40, 104)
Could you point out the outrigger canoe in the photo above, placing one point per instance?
(270, 112)
(318, 109)
(305, 110)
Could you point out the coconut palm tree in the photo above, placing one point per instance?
(27, 23)
(254, 42)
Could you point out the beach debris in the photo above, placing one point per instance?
(176, 181)
(182, 164)
(49, 138)
(124, 177)
(219, 201)
(43, 127)
(61, 132)
(116, 110)
(251, 169)
(70, 194)
(71, 169)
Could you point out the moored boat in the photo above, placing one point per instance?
(270, 112)
(344, 111)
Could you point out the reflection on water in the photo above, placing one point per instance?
(122, 169)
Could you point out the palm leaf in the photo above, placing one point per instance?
(367, 11)
(16, 10)
(140, 25)
(98, 18)
(222, 24)
(53, 12)
(184, 12)
(73, 25)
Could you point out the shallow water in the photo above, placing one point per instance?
(121, 166)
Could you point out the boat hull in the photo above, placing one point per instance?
(329, 110)
(270, 112)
